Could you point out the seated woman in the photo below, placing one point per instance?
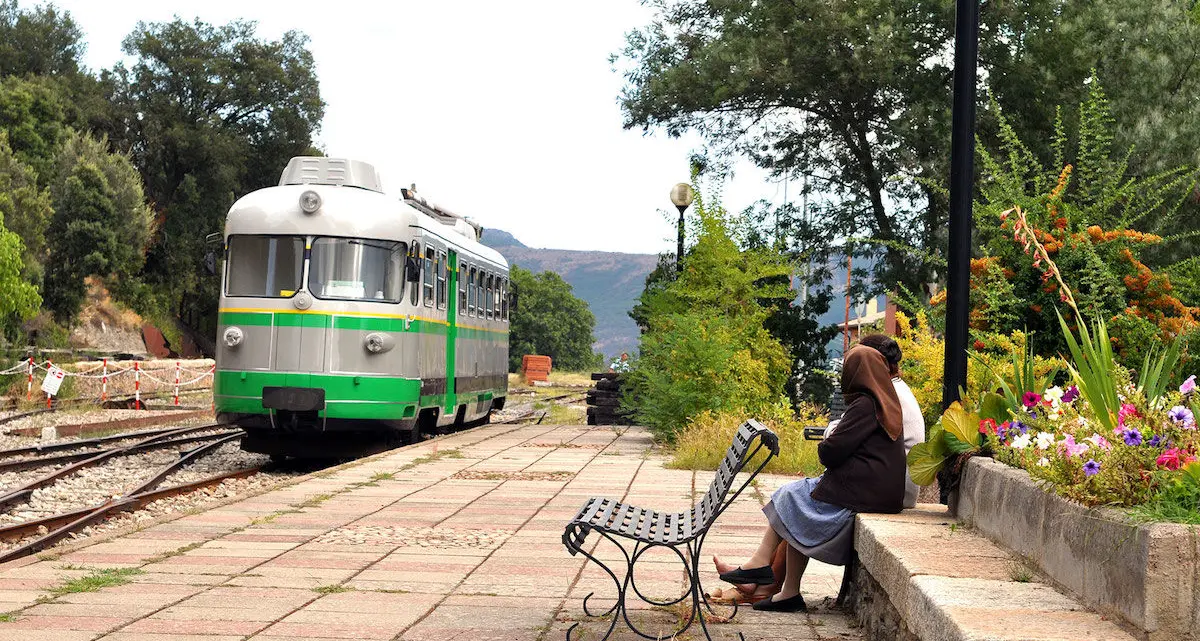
(865, 472)
(914, 432)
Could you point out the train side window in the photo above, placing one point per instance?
(442, 275)
(415, 292)
(488, 293)
(496, 298)
(504, 300)
(462, 290)
(428, 278)
(471, 293)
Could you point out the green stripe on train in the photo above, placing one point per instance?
(346, 396)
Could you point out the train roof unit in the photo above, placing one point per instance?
(344, 197)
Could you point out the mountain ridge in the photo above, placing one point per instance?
(610, 283)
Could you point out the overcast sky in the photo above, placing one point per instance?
(503, 111)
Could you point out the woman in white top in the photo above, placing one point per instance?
(914, 432)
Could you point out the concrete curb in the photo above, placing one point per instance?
(1148, 575)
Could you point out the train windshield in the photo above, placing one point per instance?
(264, 266)
(355, 269)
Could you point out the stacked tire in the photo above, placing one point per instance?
(604, 401)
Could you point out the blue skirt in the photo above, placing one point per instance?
(819, 530)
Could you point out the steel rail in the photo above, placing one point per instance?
(25, 491)
(84, 442)
(36, 462)
(82, 518)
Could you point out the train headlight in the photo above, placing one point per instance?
(233, 336)
(310, 201)
(377, 343)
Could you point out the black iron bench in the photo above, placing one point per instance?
(681, 532)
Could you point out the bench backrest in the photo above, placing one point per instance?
(751, 438)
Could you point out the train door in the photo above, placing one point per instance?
(451, 402)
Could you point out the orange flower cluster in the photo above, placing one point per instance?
(1151, 298)
(1097, 236)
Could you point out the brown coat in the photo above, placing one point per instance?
(864, 465)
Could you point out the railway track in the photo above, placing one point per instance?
(46, 531)
(116, 402)
(12, 460)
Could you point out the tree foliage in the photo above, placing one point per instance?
(704, 344)
(25, 209)
(209, 113)
(549, 320)
(38, 41)
(855, 95)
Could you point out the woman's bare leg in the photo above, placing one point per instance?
(778, 566)
(765, 552)
(797, 562)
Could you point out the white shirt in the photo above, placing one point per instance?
(914, 432)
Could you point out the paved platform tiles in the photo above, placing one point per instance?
(456, 538)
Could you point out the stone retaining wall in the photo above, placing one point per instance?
(1147, 575)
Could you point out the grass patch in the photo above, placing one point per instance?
(566, 415)
(8, 617)
(96, 581)
(429, 458)
(383, 476)
(312, 501)
(1019, 572)
(163, 556)
(332, 589)
(703, 443)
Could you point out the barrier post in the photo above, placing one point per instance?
(212, 375)
(104, 383)
(137, 386)
(176, 383)
(49, 398)
(29, 391)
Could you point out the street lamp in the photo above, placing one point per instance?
(681, 196)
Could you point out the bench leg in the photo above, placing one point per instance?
(847, 580)
(618, 608)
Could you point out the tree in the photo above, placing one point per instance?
(208, 113)
(855, 95)
(40, 41)
(32, 113)
(704, 344)
(549, 320)
(25, 209)
(19, 300)
(86, 239)
(132, 222)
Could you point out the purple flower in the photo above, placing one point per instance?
(1020, 427)
(1002, 431)
(1132, 437)
(1071, 394)
(1155, 440)
(1182, 417)
(1091, 468)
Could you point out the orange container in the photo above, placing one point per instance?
(535, 367)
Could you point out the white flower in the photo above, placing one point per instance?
(1044, 462)
(1054, 395)
(1083, 422)
(1021, 442)
(1045, 440)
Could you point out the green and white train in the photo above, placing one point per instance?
(346, 313)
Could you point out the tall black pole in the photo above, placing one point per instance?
(962, 170)
(679, 249)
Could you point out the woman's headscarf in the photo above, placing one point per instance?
(865, 371)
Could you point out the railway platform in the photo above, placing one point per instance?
(454, 538)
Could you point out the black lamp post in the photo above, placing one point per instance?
(962, 170)
(681, 196)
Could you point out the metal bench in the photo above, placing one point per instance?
(681, 532)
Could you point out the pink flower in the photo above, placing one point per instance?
(1099, 441)
(1189, 385)
(1170, 459)
(1071, 447)
(1031, 400)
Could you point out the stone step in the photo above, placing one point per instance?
(921, 575)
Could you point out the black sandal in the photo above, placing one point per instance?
(758, 576)
(790, 604)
